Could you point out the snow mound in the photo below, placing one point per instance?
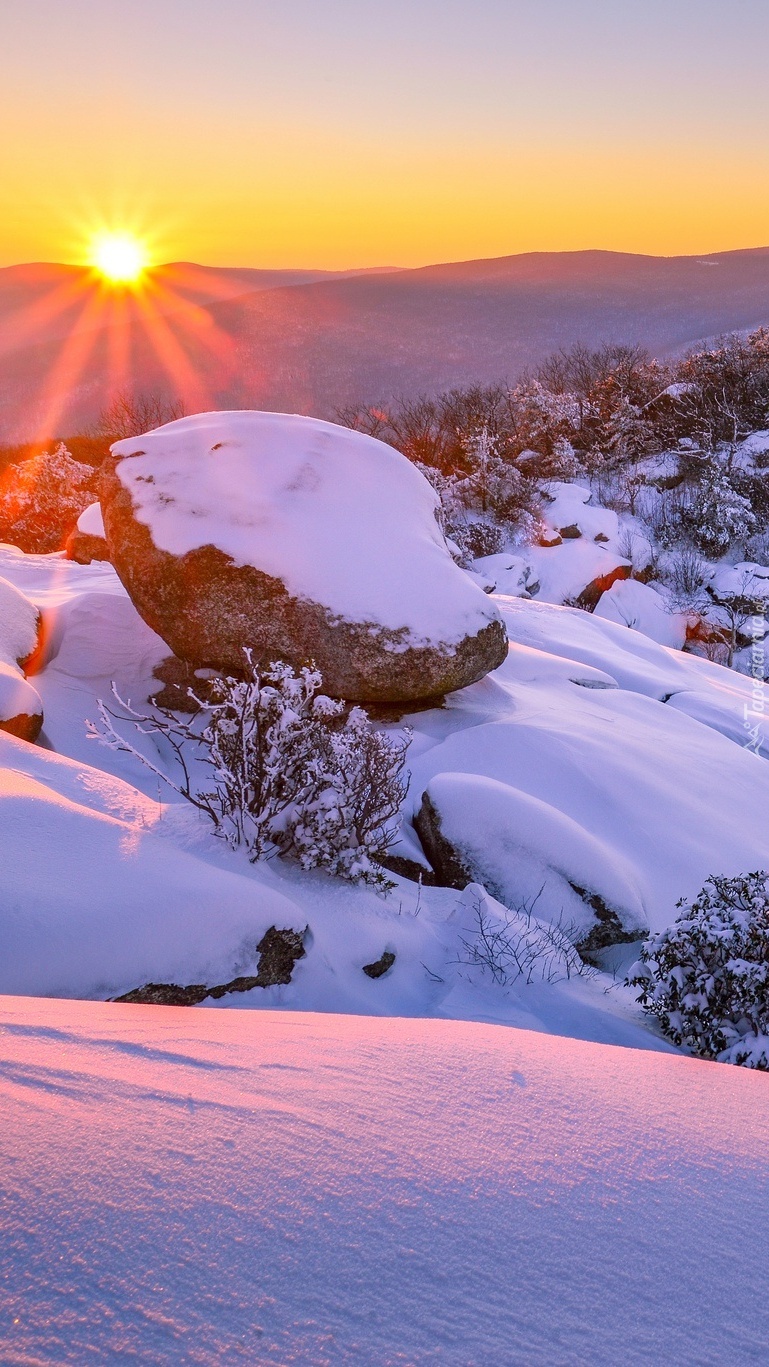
(21, 708)
(287, 1189)
(19, 625)
(667, 797)
(111, 905)
(568, 505)
(530, 855)
(341, 519)
(636, 605)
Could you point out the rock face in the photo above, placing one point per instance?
(21, 710)
(529, 856)
(300, 540)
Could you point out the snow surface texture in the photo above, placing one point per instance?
(638, 752)
(340, 518)
(207, 1187)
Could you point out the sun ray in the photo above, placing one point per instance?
(172, 356)
(68, 368)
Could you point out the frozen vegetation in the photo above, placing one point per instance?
(571, 847)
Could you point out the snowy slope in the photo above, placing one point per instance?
(201, 1187)
(637, 751)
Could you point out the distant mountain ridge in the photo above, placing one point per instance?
(311, 341)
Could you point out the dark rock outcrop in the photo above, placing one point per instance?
(380, 966)
(278, 951)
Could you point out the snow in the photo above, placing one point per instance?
(91, 521)
(529, 854)
(654, 795)
(510, 574)
(340, 518)
(641, 607)
(208, 1187)
(562, 572)
(17, 697)
(568, 505)
(18, 624)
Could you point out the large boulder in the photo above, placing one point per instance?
(21, 710)
(301, 540)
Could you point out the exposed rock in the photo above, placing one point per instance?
(165, 994)
(380, 966)
(87, 542)
(278, 951)
(84, 548)
(178, 677)
(589, 597)
(549, 538)
(451, 867)
(570, 533)
(601, 536)
(207, 605)
(407, 868)
(608, 931)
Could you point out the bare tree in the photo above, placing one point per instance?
(129, 414)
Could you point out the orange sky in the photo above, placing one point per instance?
(397, 133)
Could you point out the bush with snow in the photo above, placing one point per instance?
(706, 978)
(289, 769)
(42, 498)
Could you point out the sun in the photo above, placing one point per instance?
(119, 258)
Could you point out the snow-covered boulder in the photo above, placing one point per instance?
(21, 710)
(530, 856)
(87, 542)
(633, 604)
(299, 539)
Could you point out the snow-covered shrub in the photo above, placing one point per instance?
(706, 978)
(475, 539)
(349, 820)
(42, 498)
(289, 769)
(719, 515)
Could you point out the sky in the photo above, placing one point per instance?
(347, 133)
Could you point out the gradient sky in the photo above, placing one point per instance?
(336, 133)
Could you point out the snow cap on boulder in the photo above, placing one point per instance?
(299, 539)
(21, 711)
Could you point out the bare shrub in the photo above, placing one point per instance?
(520, 946)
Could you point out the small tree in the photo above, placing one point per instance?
(42, 498)
(289, 769)
(706, 978)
